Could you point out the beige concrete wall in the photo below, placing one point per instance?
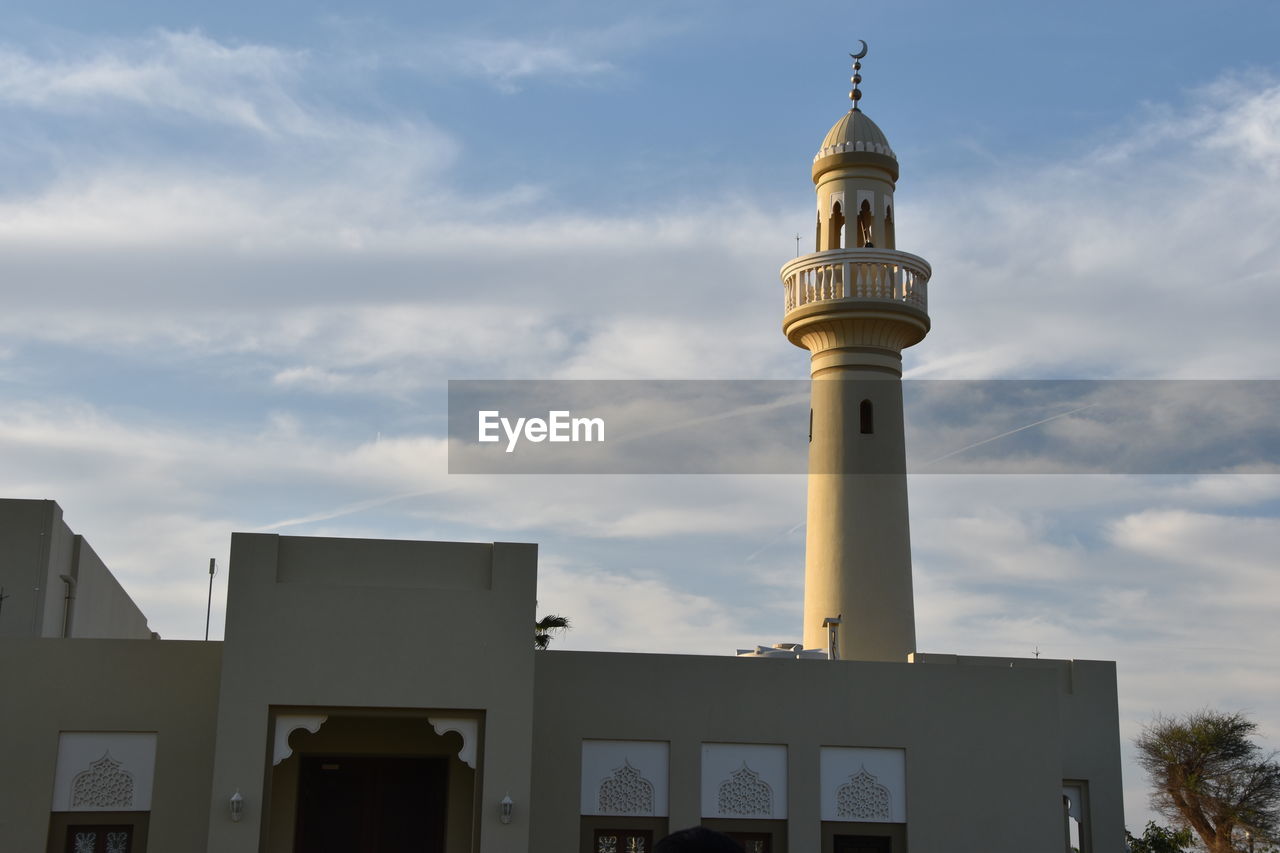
(101, 607)
(24, 540)
(985, 745)
(39, 549)
(56, 685)
(1091, 747)
(1088, 733)
(60, 560)
(322, 624)
(386, 633)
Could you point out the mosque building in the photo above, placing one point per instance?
(384, 695)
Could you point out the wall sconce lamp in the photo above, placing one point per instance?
(236, 804)
(505, 808)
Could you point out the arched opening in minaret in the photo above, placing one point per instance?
(866, 419)
(817, 233)
(835, 228)
(865, 237)
(889, 239)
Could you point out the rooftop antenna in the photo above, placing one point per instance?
(797, 245)
(855, 94)
(213, 566)
(1037, 652)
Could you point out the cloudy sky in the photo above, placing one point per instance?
(244, 248)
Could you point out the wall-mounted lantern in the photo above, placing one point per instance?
(505, 808)
(236, 804)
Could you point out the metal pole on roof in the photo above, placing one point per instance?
(209, 606)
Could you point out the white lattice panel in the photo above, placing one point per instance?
(624, 777)
(744, 780)
(861, 784)
(104, 771)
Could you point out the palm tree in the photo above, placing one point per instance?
(544, 627)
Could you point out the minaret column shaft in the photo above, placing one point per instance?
(858, 543)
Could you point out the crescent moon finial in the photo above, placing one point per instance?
(856, 94)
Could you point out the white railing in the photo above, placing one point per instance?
(880, 274)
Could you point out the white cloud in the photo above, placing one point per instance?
(247, 86)
(609, 611)
(1228, 490)
(1249, 126)
(178, 136)
(578, 56)
(1001, 546)
(1224, 562)
(508, 62)
(1134, 260)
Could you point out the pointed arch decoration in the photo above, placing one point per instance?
(835, 227)
(626, 792)
(745, 794)
(104, 785)
(864, 798)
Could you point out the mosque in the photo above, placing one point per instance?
(384, 695)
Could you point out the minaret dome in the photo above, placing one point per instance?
(855, 172)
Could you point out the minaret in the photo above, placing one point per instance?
(855, 304)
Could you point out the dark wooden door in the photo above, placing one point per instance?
(98, 838)
(370, 804)
(623, 841)
(863, 844)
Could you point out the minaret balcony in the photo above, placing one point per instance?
(872, 275)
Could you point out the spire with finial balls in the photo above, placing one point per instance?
(855, 94)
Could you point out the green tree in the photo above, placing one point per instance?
(1158, 839)
(1210, 777)
(545, 627)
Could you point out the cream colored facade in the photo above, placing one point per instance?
(379, 695)
(371, 642)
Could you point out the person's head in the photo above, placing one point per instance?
(697, 839)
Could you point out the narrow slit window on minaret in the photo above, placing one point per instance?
(817, 233)
(889, 239)
(835, 231)
(866, 421)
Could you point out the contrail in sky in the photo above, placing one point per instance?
(1010, 432)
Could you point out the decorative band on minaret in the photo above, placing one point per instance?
(855, 303)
